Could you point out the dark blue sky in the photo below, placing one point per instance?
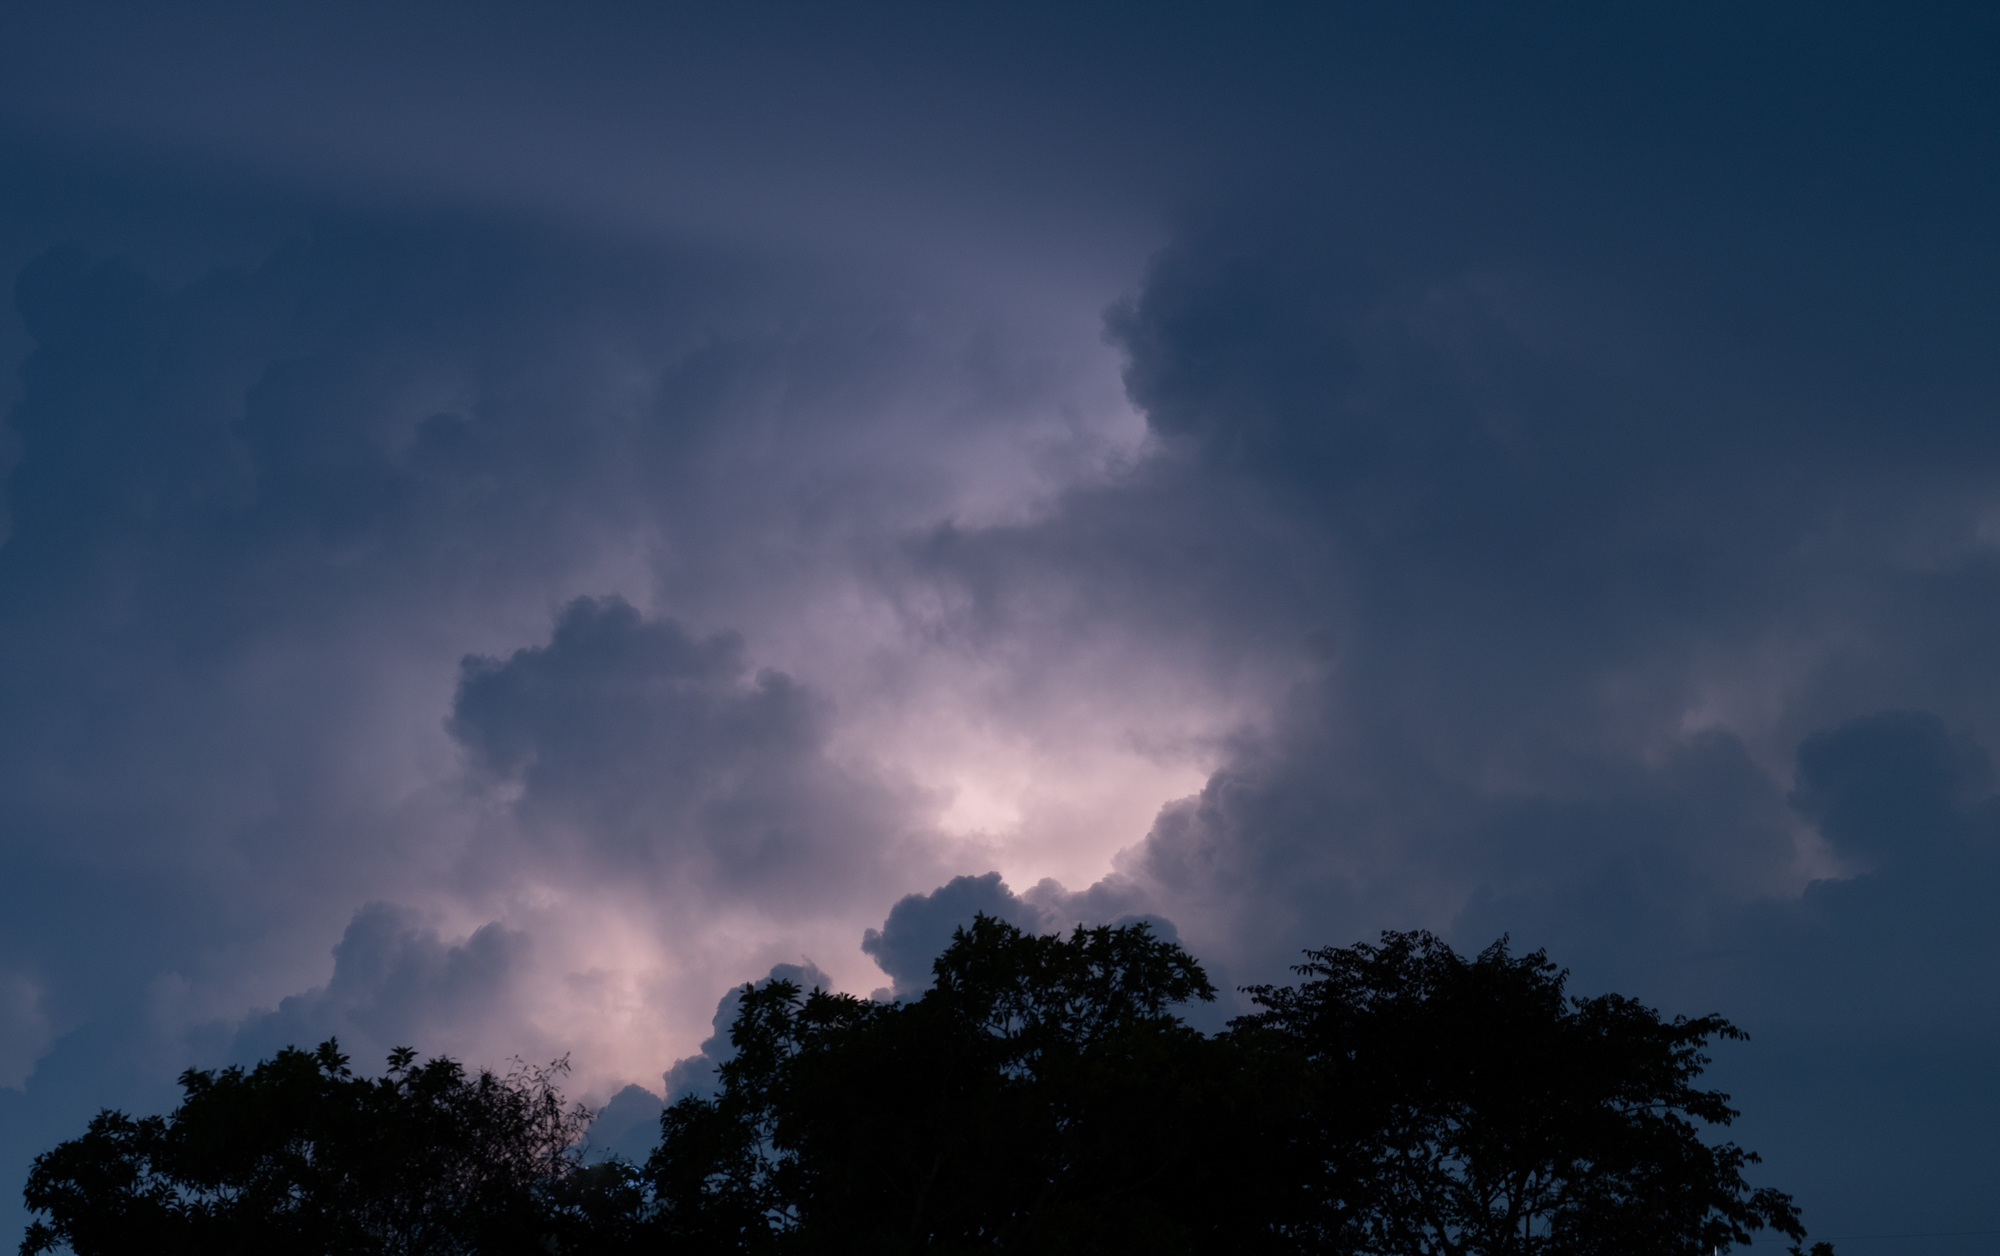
(517, 519)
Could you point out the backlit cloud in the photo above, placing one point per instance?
(517, 524)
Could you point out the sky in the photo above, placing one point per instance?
(519, 519)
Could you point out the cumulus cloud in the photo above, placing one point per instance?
(286, 538)
(920, 926)
(1590, 656)
(396, 982)
(652, 753)
(1551, 490)
(1518, 655)
(626, 1128)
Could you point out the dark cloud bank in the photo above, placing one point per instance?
(1691, 688)
(1582, 438)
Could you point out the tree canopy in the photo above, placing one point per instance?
(299, 1155)
(1042, 1096)
(1041, 1093)
(1453, 1105)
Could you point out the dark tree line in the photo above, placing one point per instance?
(1043, 1096)
(300, 1156)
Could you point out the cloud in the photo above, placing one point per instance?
(626, 1128)
(920, 926)
(262, 513)
(1568, 647)
(650, 529)
(1891, 788)
(661, 755)
(1513, 654)
(395, 983)
(24, 1029)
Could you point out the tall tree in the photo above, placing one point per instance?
(1468, 1107)
(1042, 1095)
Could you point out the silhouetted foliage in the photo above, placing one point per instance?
(300, 1156)
(1039, 1096)
(1401, 1100)
(1042, 1096)
(1451, 1106)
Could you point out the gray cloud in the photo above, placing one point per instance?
(661, 754)
(396, 982)
(626, 1128)
(920, 926)
(259, 517)
(1565, 504)
(1583, 653)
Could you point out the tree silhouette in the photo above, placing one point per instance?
(1039, 1095)
(1402, 1100)
(1043, 1096)
(1467, 1107)
(299, 1155)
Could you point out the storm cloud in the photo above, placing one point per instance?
(658, 754)
(1690, 690)
(516, 526)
